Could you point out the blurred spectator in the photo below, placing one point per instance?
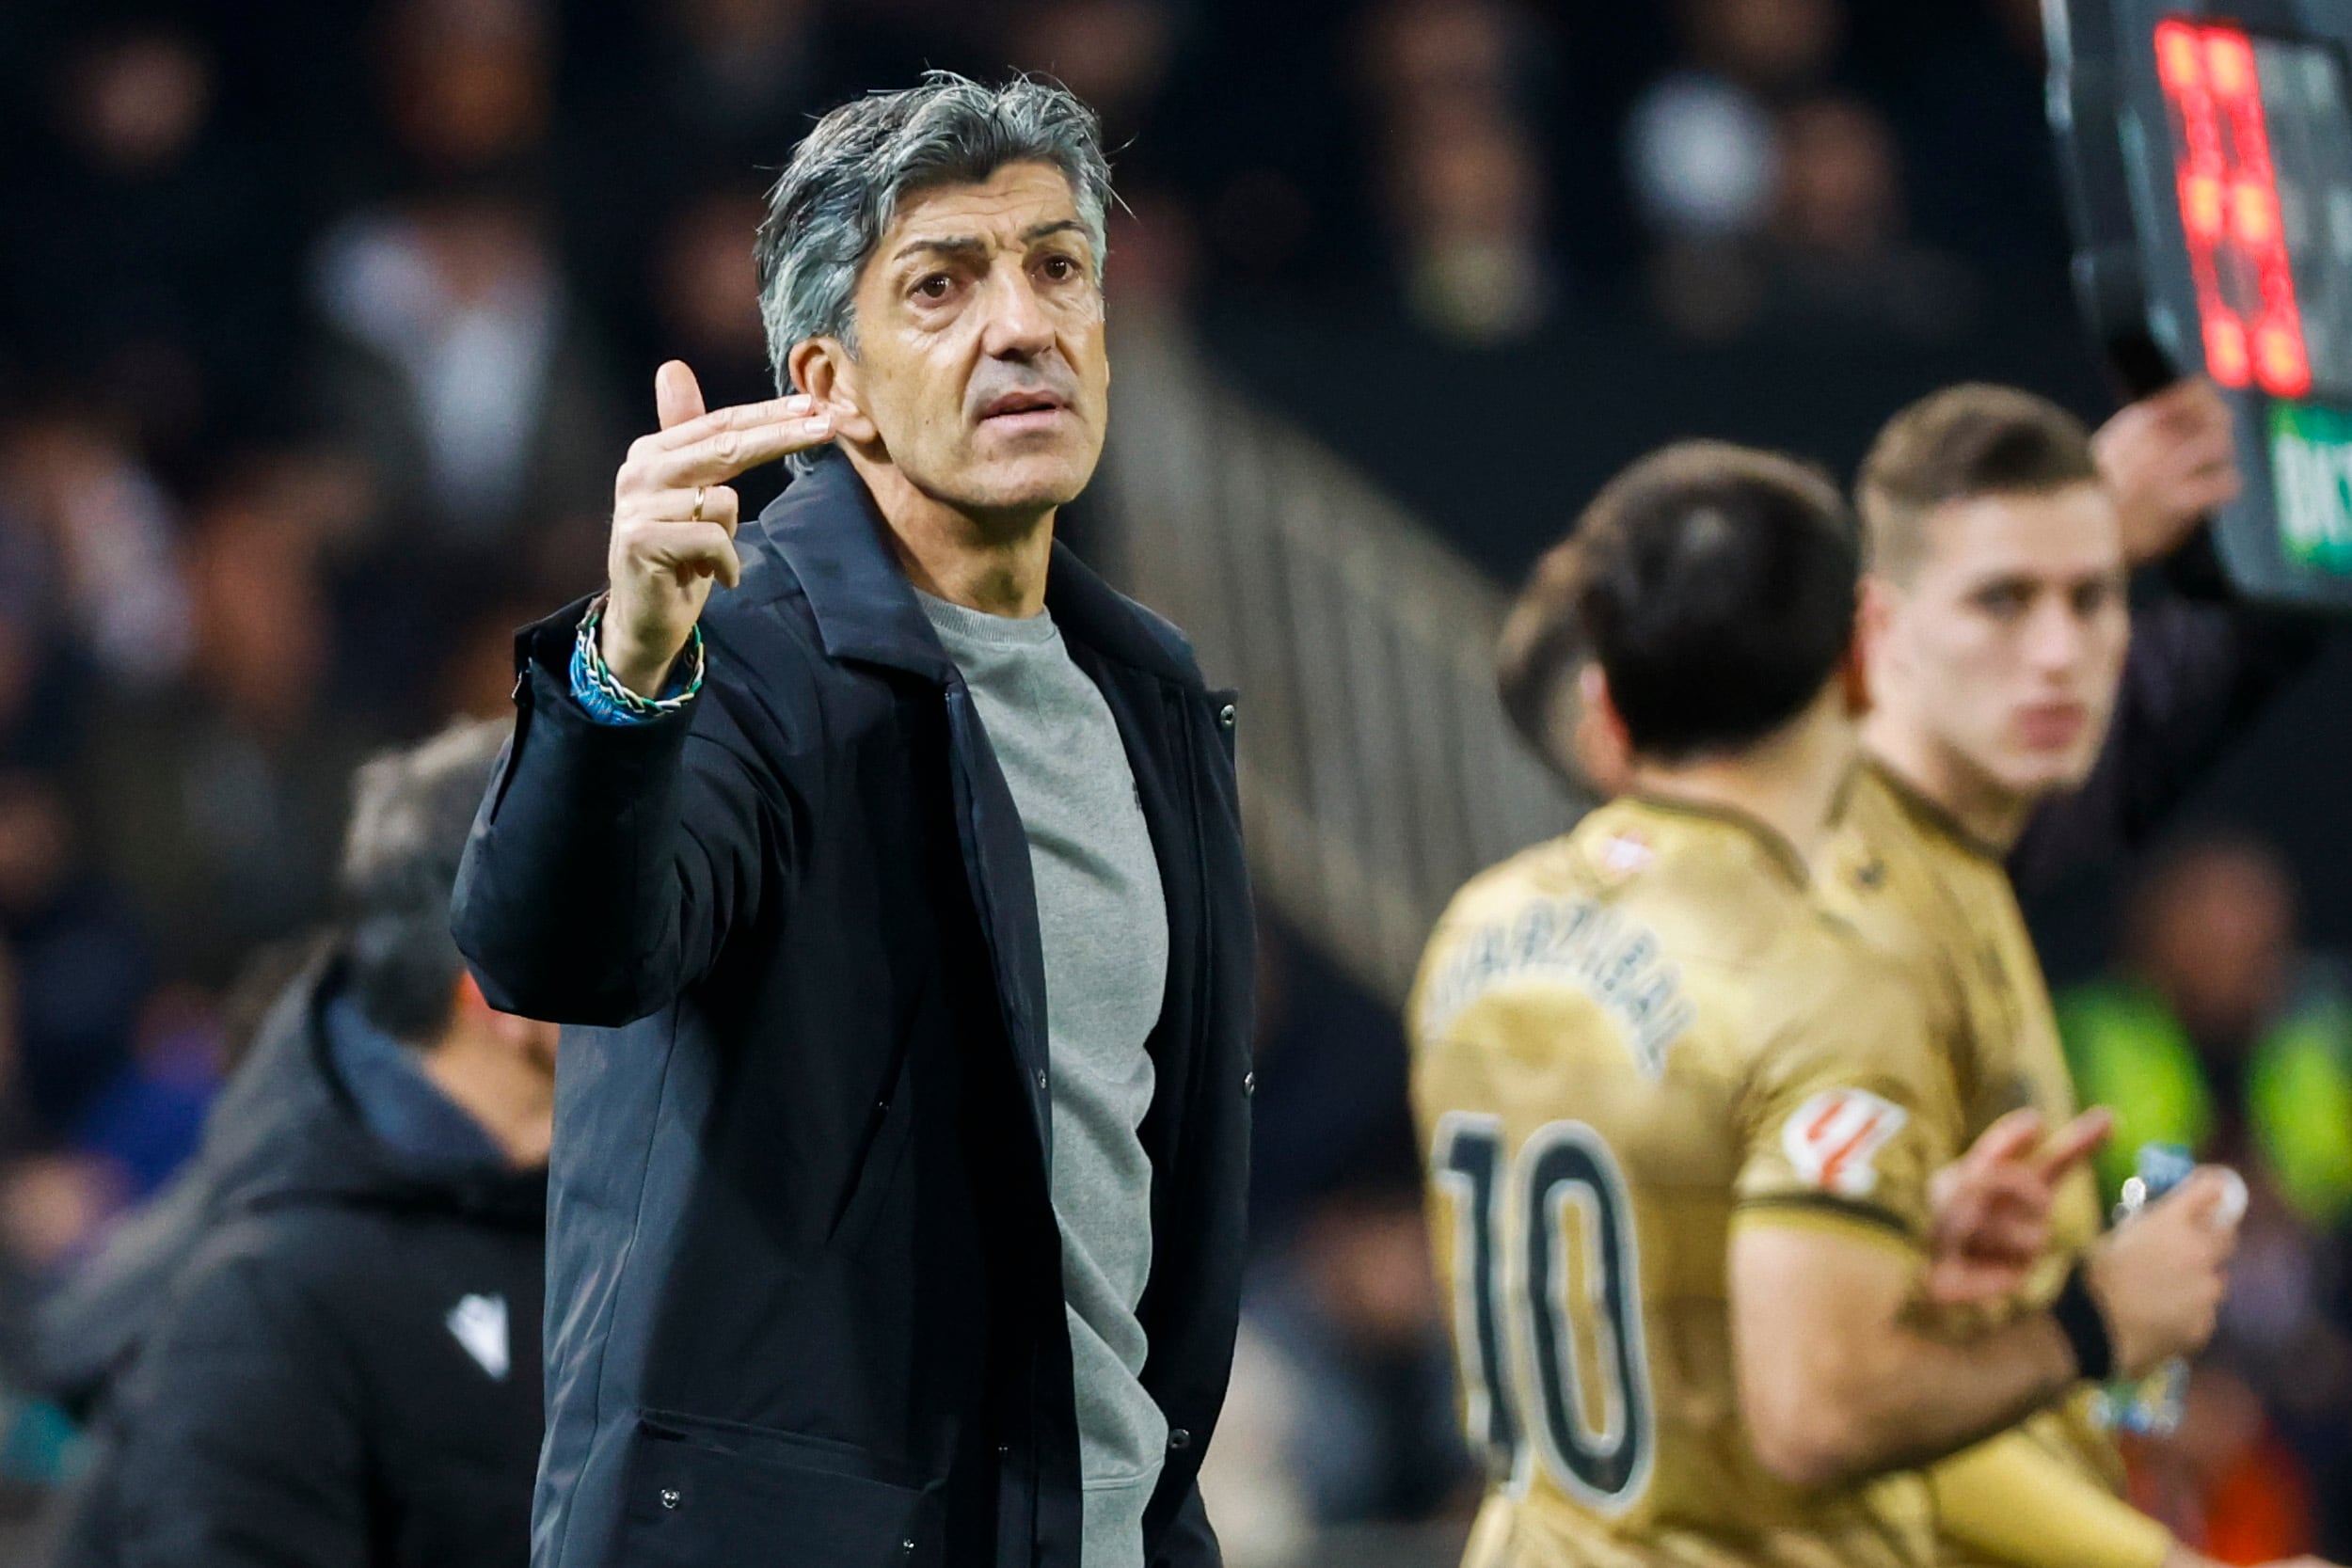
(1113, 54)
(1703, 159)
(1840, 253)
(467, 84)
(1467, 199)
(1703, 150)
(87, 534)
(458, 363)
(81, 967)
(148, 1119)
(1354, 1315)
(2222, 1035)
(1464, 180)
(217, 803)
(1359, 1416)
(148, 258)
(703, 98)
(460, 369)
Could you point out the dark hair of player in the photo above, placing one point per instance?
(1958, 445)
(1715, 584)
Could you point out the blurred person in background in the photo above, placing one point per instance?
(218, 800)
(2221, 1034)
(82, 965)
(1839, 255)
(326, 1353)
(1462, 178)
(1351, 1312)
(88, 536)
(458, 362)
(1703, 149)
(148, 258)
(459, 370)
(1348, 1407)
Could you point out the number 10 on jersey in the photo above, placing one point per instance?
(1573, 1322)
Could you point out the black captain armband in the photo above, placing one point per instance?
(2085, 1325)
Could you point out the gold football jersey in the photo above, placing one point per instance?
(1939, 903)
(1626, 1042)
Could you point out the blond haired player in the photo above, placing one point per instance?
(1683, 1126)
(1996, 626)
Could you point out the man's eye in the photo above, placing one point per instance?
(934, 287)
(2002, 602)
(1062, 269)
(2093, 597)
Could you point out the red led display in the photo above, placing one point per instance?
(2228, 195)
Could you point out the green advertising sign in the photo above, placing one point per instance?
(2311, 470)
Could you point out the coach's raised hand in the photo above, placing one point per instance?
(673, 517)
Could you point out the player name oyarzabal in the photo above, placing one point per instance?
(1576, 941)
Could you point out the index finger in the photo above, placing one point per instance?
(741, 416)
(2075, 1142)
(720, 457)
(2009, 1139)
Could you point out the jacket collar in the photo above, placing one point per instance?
(826, 528)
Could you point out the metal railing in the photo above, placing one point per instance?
(1377, 770)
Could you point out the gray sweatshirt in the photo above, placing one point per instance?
(1103, 923)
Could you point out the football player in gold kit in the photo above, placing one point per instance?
(1683, 1126)
(1996, 626)
(1994, 630)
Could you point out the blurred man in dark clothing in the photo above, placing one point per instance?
(331, 1323)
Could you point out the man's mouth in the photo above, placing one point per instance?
(2052, 726)
(1023, 410)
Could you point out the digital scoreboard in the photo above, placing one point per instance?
(2207, 151)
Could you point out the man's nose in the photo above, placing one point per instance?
(2056, 637)
(1017, 325)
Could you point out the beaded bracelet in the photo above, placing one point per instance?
(597, 690)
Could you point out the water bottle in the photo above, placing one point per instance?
(2149, 1406)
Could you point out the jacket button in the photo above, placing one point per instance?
(907, 1546)
(1004, 1450)
(1225, 716)
(1041, 1080)
(669, 1497)
(1178, 1439)
(1248, 1083)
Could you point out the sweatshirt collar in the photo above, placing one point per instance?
(827, 531)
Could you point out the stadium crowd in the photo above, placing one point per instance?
(320, 333)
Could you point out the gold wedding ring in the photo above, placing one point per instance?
(699, 492)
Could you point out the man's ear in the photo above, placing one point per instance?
(1853, 678)
(823, 368)
(1875, 609)
(1604, 743)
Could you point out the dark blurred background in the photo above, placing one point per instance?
(322, 326)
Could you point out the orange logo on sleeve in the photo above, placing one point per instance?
(1833, 1137)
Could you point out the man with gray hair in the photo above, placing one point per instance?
(884, 866)
(320, 1345)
